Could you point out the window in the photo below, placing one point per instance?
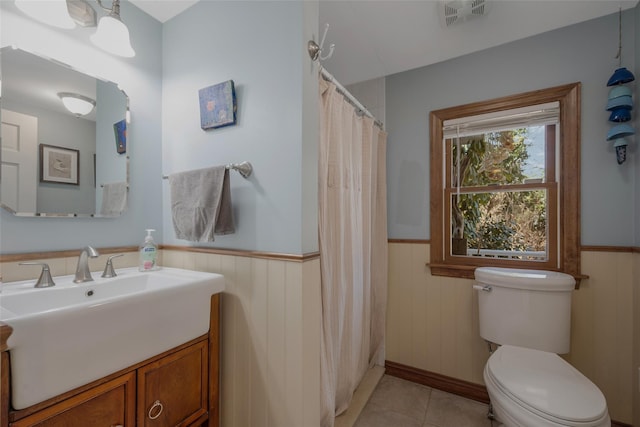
(505, 184)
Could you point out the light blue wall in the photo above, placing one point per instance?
(635, 149)
(261, 47)
(584, 52)
(141, 78)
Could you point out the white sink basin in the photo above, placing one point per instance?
(72, 334)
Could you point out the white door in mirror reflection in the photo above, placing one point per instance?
(19, 161)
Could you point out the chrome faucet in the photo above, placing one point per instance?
(45, 280)
(82, 271)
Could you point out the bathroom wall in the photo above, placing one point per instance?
(583, 52)
(260, 46)
(141, 78)
(432, 321)
(271, 305)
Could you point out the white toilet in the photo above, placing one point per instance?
(528, 313)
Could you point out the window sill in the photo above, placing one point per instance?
(462, 271)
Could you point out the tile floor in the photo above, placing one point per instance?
(399, 403)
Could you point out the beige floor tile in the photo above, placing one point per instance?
(449, 410)
(405, 397)
(373, 416)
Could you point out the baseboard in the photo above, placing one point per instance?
(449, 384)
(441, 382)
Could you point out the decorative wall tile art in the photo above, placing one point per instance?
(218, 105)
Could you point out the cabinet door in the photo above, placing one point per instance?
(173, 390)
(110, 404)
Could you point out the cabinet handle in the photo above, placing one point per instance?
(157, 408)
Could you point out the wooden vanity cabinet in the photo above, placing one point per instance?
(110, 404)
(173, 390)
(179, 388)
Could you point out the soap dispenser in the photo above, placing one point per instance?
(148, 253)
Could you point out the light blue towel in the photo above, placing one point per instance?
(201, 204)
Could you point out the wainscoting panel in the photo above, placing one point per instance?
(432, 322)
(602, 328)
(270, 337)
(636, 337)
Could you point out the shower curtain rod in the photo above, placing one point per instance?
(352, 99)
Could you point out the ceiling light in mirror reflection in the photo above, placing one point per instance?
(77, 104)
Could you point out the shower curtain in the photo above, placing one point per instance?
(353, 247)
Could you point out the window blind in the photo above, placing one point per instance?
(533, 115)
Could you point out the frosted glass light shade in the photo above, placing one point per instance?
(113, 36)
(77, 104)
(50, 12)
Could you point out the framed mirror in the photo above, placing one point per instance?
(58, 160)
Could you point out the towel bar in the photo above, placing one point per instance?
(102, 186)
(244, 168)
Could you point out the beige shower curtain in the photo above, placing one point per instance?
(353, 247)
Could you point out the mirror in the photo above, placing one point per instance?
(55, 162)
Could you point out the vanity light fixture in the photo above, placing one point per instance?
(52, 12)
(112, 34)
(78, 105)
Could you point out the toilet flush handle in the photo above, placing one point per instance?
(485, 288)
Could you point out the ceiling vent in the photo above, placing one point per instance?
(457, 11)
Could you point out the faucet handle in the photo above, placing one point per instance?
(108, 268)
(45, 280)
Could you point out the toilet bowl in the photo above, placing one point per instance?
(533, 388)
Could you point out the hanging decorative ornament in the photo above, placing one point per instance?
(620, 145)
(620, 103)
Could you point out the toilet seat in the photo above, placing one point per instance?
(544, 384)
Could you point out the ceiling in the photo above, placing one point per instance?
(375, 38)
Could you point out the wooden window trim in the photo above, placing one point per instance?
(568, 247)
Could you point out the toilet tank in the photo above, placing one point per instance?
(526, 308)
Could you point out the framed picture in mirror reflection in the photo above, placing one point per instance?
(59, 165)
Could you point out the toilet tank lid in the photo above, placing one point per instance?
(540, 280)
